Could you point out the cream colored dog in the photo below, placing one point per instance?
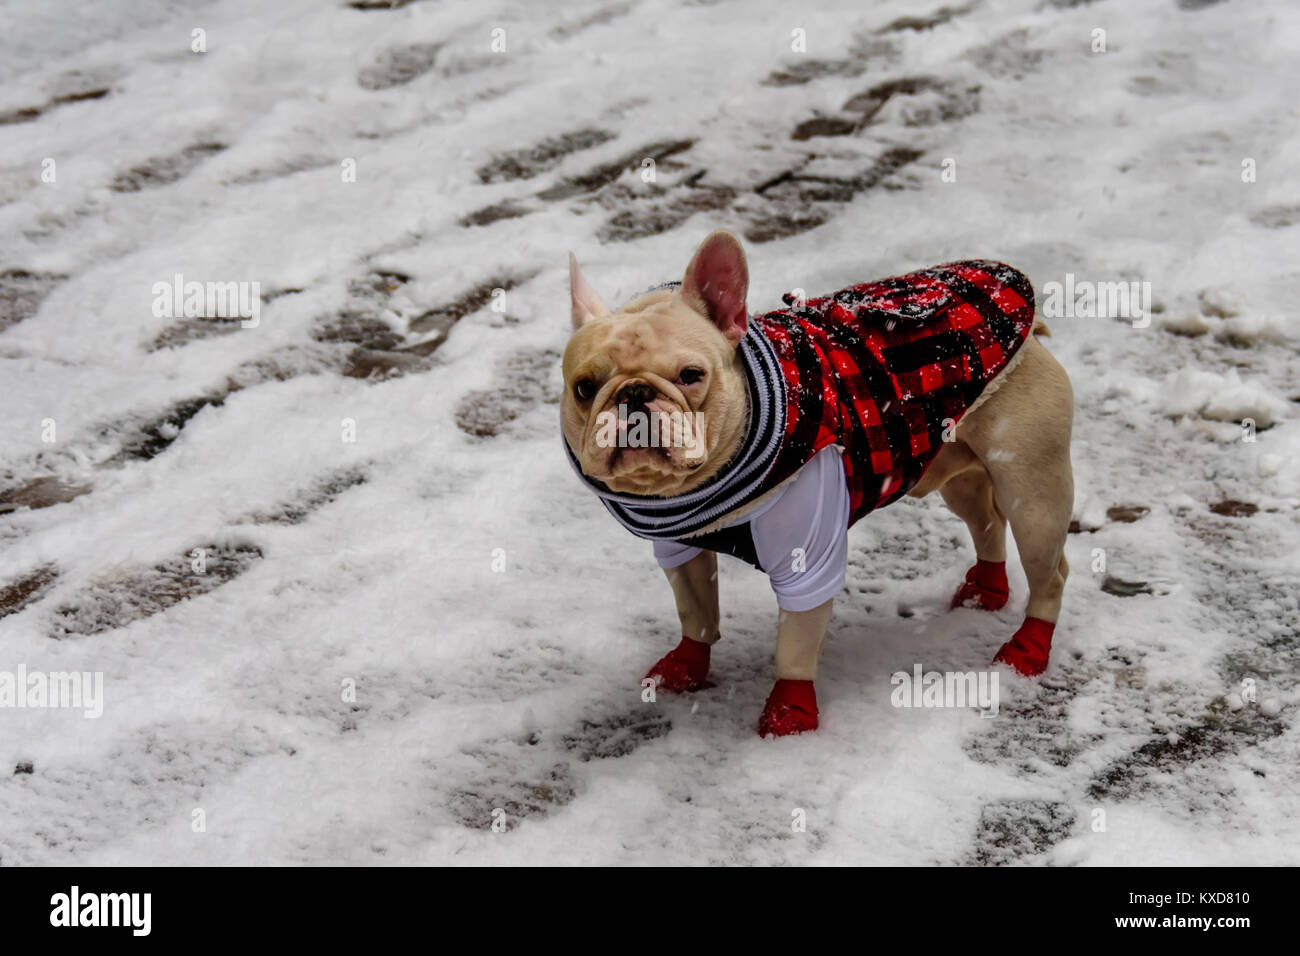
(673, 353)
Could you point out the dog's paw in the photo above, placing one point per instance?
(985, 587)
(682, 669)
(791, 708)
(1029, 648)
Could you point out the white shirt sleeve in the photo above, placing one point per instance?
(801, 537)
(670, 554)
(802, 540)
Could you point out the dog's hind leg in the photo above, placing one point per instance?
(1040, 537)
(969, 494)
(1022, 435)
(1039, 528)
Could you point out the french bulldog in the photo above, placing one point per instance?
(707, 430)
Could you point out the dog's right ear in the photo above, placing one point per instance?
(586, 304)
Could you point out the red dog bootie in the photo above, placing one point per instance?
(985, 587)
(1028, 649)
(683, 668)
(791, 708)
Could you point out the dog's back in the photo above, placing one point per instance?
(887, 368)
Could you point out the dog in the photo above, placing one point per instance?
(783, 429)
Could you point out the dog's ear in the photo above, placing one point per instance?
(717, 283)
(586, 304)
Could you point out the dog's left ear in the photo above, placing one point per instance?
(717, 283)
(586, 304)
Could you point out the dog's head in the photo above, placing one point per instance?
(655, 400)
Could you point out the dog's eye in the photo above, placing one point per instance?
(585, 390)
(691, 375)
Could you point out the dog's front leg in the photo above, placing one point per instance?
(695, 590)
(791, 708)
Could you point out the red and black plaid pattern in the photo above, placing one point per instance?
(882, 368)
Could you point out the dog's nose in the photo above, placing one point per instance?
(637, 395)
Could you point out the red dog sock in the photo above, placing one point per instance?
(1028, 649)
(985, 587)
(683, 668)
(791, 708)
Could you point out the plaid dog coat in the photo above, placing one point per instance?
(881, 369)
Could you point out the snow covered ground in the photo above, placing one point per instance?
(372, 481)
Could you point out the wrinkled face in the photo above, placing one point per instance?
(655, 401)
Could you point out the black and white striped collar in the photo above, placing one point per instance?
(740, 480)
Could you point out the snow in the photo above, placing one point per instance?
(494, 620)
(1221, 398)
